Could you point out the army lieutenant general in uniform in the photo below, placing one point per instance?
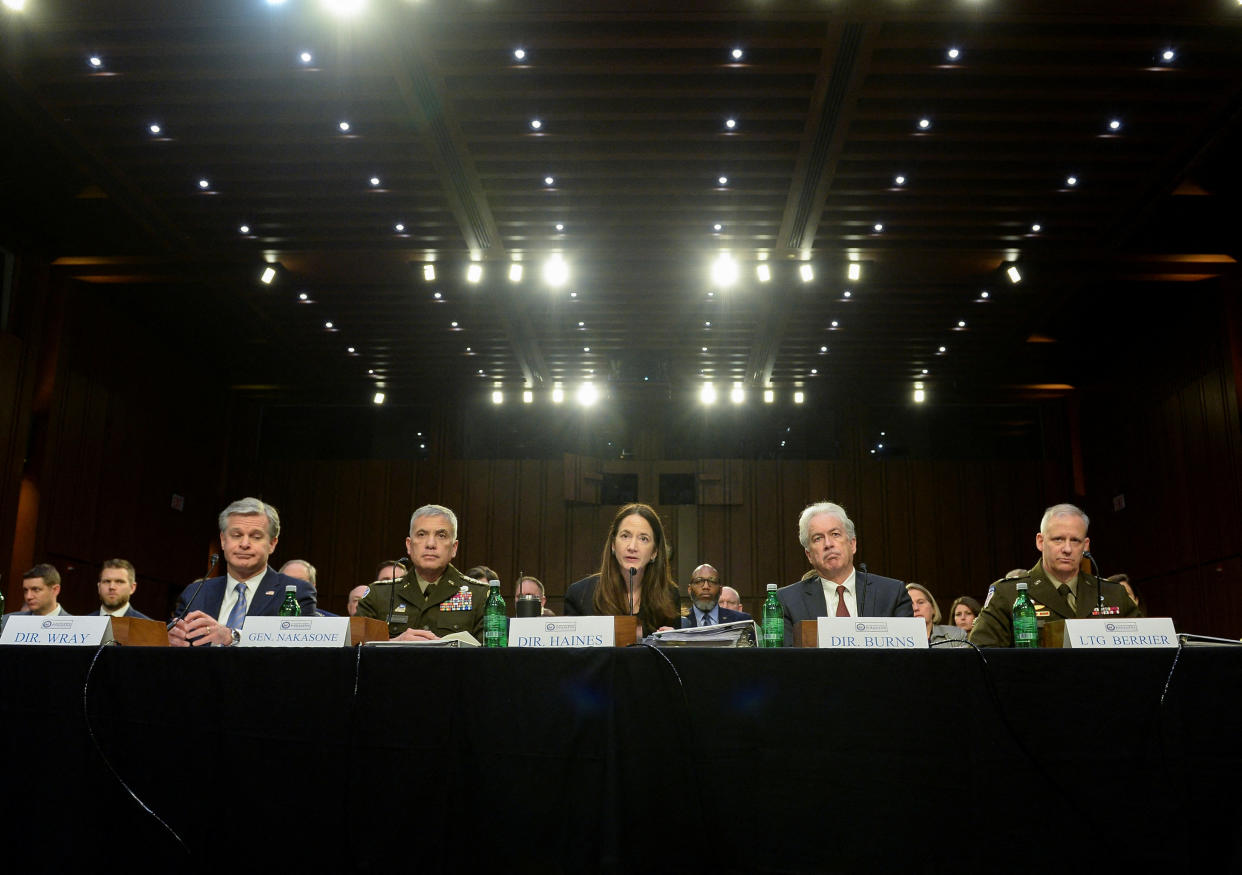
(1056, 586)
(435, 599)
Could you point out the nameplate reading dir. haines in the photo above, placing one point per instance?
(562, 632)
(872, 633)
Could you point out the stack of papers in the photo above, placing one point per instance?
(743, 633)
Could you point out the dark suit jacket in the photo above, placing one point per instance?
(876, 597)
(994, 625)
(580, 602)
(132, 612)
(268, 595)
(321, 612)
(726, 616)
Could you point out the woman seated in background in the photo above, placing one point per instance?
(964, 612)
(633, 576)
(925, 606)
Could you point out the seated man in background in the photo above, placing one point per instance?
(40, 591)
(1056, 585)
(117, 583)
(528, 585)
(730, 598)
(303, 570)
(705, 608)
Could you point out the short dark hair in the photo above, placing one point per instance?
(535, 580)
(477, 571)
(48, 572)
(124, 565)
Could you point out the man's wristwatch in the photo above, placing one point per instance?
(236, 637)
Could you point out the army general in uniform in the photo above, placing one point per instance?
(434, 599)
(1059, 590)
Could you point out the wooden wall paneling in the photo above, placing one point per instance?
(978, 565)
(932, 512)
(1222, 598)
(899, 521)
(15, 395)
(870, 519)
(553, 559)
(503, 543)
(790, 559)
(1218, 523)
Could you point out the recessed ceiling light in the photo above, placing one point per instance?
(878, 226)
(847, 293)
(1114, 125)
(943, 350)
(961, 323)
(519, 54)
(707, 325)
(204, 184)
(515, 272)
(399, 227)
(453, 324)
(306, 57)
(924, 370)
(328, 325)
(724, 271)
(536, 124)
(1036, 228)
(582, 325)
(1071, 181)
(798, 399)
(899, 180)
(586, 349)
(375, 180)
(573, 294)
(548, 180)
(556, 271)
(1168, 55)
(737, 54)
(429, 272)
(95, 62)
(1015, 276)
(704, 349)
(154, 128)
(474, 273)
(763, 272)
(15, 5)
(344, 8)
(954, 53)
(723, 180)
(438, 296)
(245, 229)
(985, 294)
(302, 296)
(560, 226)
(806, 272)
(731, 123)
(823, 349)
(378, 398)
(835, 323)
(924, 124)
(717, 227)
(814, 371)
(350, 350)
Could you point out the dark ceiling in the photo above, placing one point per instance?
(633, 101)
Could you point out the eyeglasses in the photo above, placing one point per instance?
(705, 580)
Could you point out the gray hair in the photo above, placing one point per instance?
(1061, 510)
(435, 510)
(814, 510)
(931, 598)
(250, 507)
(310, 569)
(535, 580)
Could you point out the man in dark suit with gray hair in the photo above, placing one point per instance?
(827, 535)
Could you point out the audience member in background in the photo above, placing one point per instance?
(706, 610)
(1124, 580)
(303, 570)
(117, 582)
(633, 577)
(40, 589)
(730, 598)
(481, 573)
(964, 612)
(390, 570)
(925, 606)
(355, 595)
(528, 585)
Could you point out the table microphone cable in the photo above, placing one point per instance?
(90, 730)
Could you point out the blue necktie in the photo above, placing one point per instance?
(238, 614)
(707, 620)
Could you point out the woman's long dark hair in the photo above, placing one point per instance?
(656, 604)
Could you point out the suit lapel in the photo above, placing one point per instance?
(266, 592)
(1043, 591)
(813, 598)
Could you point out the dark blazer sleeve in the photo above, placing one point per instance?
(205, 596)
(580, 597)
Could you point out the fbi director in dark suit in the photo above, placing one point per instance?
(828, 537)
(249, 529)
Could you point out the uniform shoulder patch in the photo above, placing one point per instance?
(991, 592)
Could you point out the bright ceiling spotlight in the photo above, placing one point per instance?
(15, 5)
(498, 397)
(306, 57)
(515, 272)
(954, 53)
(474, 273)
(769, 396)
(429, 273)
(806, 272)
(737, 394)
(269, 274)
(724, 271)
(399, 227)
(344, 127)
(535, 124)
(763, 272)
(95, 61)
(737, 54)
(854, 272)
(587, 394)
(154, 128)
(519, 54)
(378, 399)
(924, 124)
(707, 394)
(1015, 276)
(558, 394)
(344, 8)
(528, 397)
(920, 395)
(555, 270)
(799, 397)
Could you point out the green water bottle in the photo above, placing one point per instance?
(773, 631)
(1025, 629)
(495, 623)
(290, 607)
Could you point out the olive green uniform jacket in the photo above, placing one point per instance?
(454, 603)
(994, 628)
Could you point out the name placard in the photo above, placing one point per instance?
(1112, 634)
(295, 632)
(57, 631)
(562, 632)
(872, 633)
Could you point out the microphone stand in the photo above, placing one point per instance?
(1099, 585)
(392, 590)
(211, 563)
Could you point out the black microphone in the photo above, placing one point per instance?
(211, 563)
(404, 562)
(1099, 584)
(632, 572)
(862, 566)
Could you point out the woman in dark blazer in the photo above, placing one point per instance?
(633, 577)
